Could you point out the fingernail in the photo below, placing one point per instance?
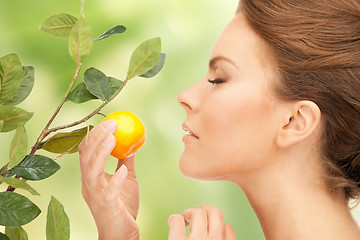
(121, 171)
(109, 126)
(109, 140)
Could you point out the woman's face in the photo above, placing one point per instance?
(231, 111)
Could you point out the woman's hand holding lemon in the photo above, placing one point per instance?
(112, 199)
(130, 134)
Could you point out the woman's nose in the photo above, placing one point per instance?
(183, 100)
(190, 98)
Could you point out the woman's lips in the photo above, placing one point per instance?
(190, 134)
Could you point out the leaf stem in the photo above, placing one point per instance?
(82, 8)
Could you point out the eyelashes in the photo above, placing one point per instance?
(216, 81)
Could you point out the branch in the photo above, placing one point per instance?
(96, 111)
(45, 131)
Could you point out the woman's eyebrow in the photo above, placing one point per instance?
(215, 60)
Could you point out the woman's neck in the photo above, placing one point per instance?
(291, 202)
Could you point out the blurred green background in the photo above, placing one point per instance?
(188, 30)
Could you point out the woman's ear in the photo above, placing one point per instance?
(302, 119)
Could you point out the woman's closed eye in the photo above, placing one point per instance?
(216, 81)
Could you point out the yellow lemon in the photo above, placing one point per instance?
(130, 135)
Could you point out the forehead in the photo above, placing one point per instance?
(240, 43)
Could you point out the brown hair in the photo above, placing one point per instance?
(316, 46)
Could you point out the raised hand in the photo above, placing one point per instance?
(113, 199)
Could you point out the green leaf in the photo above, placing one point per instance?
(144, 58)
(26, 86)
(59, 25)
(16, 210)
(5, 173)
(157, 68)
(17, 183)
(3, 237)
(36, 167)
(12, 117)
(18, 147)
(3, 170)
(98, 84)
(11, 75)
(115, 84)
(1, 124)
(16, 233)
(66, 141)
(57, 224)
(80, 41)
(80, 94)
(112, 31)
(8, 174)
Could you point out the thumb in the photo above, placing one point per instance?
(113, 188)
(130, 165)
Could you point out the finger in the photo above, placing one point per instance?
(114, 187)
(129, 163)
(216, 225)
(96, 136)
(94, 169)
(95, 152)
(229, 232)
(177, 229)
(98, 161)
(198, 222)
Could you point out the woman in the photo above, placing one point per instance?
(284, 82)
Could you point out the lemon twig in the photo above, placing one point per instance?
(96, 111)
(45, 132)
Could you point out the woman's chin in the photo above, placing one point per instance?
(195, 171)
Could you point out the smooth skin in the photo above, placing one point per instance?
(240, 132)
(114, 199)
